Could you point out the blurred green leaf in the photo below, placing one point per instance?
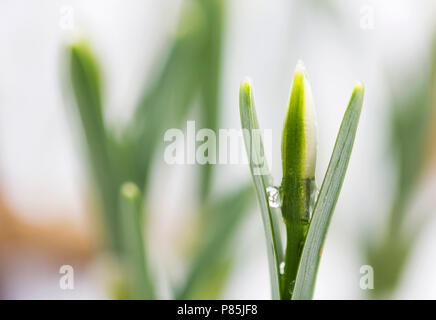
(224, 216)
(328, 196)
(85, 81)
(410, 115)
(210, 84)
(166, 102)
(388, 259)
(217, 276)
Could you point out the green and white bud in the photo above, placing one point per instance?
(299, 146)
(310, 127)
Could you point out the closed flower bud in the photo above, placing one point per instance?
(299, 144)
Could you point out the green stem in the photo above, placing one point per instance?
(298, 160)
(139, 281)
(296, 206)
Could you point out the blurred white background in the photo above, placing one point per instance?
(42, 170)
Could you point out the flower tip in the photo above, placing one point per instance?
(246, 82)
(300, 68)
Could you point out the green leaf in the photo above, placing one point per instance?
(388, 258)
(210, 83)
(411, 111)
(262, 179)
(328, 196)
(135, 265)
(84, 76)
(166, 101)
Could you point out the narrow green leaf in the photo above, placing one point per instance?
(410, 111)
(84, 77)
(139, 282)
(210, 80)
(168, 98)
(411, 120)
(262, 180)
(327, 198)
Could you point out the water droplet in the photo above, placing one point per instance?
(311, 193)
(274, 199)
(313, 197)
(282, 268)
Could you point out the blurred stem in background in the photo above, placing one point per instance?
(138, 276)
(191, 70)
(210, 87)
(410, 115)
(213, 260)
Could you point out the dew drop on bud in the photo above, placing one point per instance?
(274, 197)
(313, 198)
(282, 268)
